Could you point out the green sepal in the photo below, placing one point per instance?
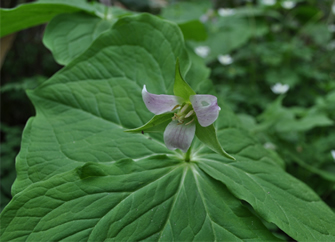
(181, 87)
(157, 124)
(208, 136)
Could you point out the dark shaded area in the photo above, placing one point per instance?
(27, 64)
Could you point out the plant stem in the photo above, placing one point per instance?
(187, 155)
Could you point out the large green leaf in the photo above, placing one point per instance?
(81, 177)
(69, 35)
(156, 198)
(277, 197)
(101, 90)
(32, 14)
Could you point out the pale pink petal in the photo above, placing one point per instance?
(179, 136)
(206, 108)
(159, 104)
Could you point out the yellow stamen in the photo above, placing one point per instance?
(190, 121)
(181, 118)
(189, 114)
(177, 106)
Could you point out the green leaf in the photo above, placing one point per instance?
(277, 197)
(157, 124)
(208, 136)
(310, 121)
(32, 14)
(187, 15)
(181, 88)
(100, 91)
(155, 198)
(183, 12)
(69, 35)
(193, 30)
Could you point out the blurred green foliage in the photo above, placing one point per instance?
(9, 148)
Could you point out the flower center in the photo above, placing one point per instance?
(185, 112)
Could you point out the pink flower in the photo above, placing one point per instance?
(180, 132)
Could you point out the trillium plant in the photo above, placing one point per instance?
(183, 116)
(81, 177)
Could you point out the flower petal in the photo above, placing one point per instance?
(159, 104)
(206, 108)
(279, 88)
(179, 136)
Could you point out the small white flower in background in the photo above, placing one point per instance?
(279, 88)
(226, 12)
(225, 59)
(270, 146)
(333, 154)
(288, 4)
(331, 28)
(202, 51)
(333, 9)
(269, 2)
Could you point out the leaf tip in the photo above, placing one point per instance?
(90, 170)
(232, 157)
